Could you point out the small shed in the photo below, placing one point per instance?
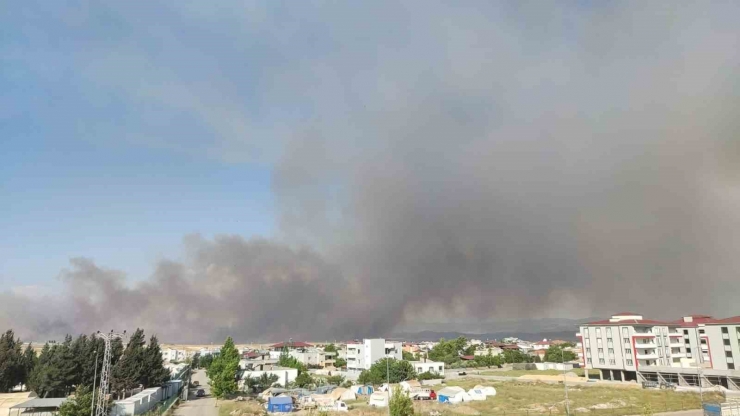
(280, 404)
(37, 407)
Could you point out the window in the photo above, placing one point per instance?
(659, 342)
(701, 331)
(440, 368)
(730, 366)
(728, 354)
(688, 350)
(588, 350)
(601, 361)
(627, 341)
(726, 341)
(598, 332)
(703, 342)
(609, 332)
(628, 351)
(612, 361)
(625, 332)
(724, 330)
(599, 343)
(588, 361)
(611, 351)
(588, 342)
(688, 355)
(629, 362)
(686, 332)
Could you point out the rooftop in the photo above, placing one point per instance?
(39, 402)
(294, 344)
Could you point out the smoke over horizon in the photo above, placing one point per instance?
(451, 164)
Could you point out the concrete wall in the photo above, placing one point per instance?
(431, 366)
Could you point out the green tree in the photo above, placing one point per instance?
(399, 371)
(286, 360)
(12, 369)
(556, 354)
(128, 372)
(205, 361)
(449, 351)
(400, 404)
(262, 382)
(340, 363)
(78, 405)
(330, 348)
(223, 370)
(429, 375)
(336, 380)
(29, 363)
(304, 380)
(154, 374)
(407, 356)
(195, 361)
(66, 367)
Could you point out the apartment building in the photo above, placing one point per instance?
(173, 355)
(362, 355)
(692, 350)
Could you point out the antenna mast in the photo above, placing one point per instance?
(102, 399)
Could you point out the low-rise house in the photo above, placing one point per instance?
(277, 349)
(492, 350)
(428, 366)
(172, 355)
(313, 357)
(539, 353)
(285, 375)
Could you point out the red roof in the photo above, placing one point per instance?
(468, 357)
(295, 344)
(252, 354)
(510, 347)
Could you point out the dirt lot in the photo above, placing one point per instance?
(518, 373)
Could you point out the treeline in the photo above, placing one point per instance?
(60, 368)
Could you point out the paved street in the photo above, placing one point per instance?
(198, 406)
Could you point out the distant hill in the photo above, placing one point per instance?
(526, 329)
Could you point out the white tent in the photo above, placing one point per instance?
(410, 385)
(343, 394)
(378, 399)
(476, 394)
(453, 394)
(487, 390)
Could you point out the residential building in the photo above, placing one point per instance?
(429, 366)
(285, 375)
(313, 357)
(362, 355)
(277, 349)
(694, 349)
(173, 355)
(491, 349)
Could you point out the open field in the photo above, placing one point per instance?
(527, 398)
(518, 373)
(537, 398)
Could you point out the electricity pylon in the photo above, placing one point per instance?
(102, 399)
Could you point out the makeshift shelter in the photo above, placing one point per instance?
(280, 404)
(410, 385)
(453, 394)
(476, 394)
(487, 390)
(326, 389)
(342, 394)
(378, 399)
(38, 407)
(8, 400)
(359, 390)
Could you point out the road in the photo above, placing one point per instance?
(198, 406)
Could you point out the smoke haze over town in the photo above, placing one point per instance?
(446, 163)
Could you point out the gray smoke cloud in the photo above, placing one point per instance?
(455, 163)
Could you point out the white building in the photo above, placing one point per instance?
(313, 357)
(285, 375)
(360, 356)
(173, 355)
(628, 347)
(428, 366)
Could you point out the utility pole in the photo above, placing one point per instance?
(388, 379)
(102, 402)
(565, 381)
(95, 376)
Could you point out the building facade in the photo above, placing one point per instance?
(362, 355)
(692, 350)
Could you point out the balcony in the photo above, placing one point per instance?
(645, 334)
(649, 356)
(676, 344)
(645, 345)
(725, 336)
(678, 355)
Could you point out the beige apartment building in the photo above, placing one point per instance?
(692, 350)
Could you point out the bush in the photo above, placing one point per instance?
(428, 375)
(400, 404)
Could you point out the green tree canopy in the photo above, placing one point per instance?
(407, 356)
(12, 368)
(79, 405)
(399, 371)
(449, 351)
(330, 348)
(223, 370)
(129, 371)
(556, 354)
(340, 363)
(304, 380)
(400, 404)
(154, 374)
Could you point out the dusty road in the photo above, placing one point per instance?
(198, 406)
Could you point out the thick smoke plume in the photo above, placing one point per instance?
(455, 164)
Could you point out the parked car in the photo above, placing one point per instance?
(200, 393)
